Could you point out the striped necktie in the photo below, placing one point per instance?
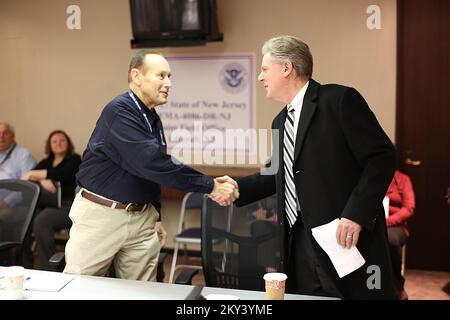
(290, 194)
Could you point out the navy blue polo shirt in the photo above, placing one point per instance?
(126, 160)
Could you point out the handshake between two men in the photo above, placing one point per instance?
(225, 191)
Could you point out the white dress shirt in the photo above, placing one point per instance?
(297, 103)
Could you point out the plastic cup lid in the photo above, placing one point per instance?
(275, 276)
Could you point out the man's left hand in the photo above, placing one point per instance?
(161, 233)
(347, 233)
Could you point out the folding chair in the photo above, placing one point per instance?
(185, 236)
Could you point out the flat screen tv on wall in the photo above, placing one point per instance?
(169, 23)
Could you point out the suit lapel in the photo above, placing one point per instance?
(308, 109)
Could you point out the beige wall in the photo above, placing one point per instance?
(52, 77)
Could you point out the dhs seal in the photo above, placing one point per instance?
(233, 77)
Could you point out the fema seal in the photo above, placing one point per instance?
(233, 77)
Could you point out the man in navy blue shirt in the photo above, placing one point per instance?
(116, 214)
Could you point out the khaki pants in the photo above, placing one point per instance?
(100, 235)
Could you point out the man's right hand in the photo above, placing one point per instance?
(225, 191)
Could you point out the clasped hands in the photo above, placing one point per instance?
(225, 191)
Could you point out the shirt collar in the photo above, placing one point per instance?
(297, 102)
(151, 114)
(5, 152)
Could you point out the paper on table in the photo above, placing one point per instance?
(213, 296)
(52, 282)
(344, 260)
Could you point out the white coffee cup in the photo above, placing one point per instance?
(14, 279)
(275, 285)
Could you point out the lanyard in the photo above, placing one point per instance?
(8, 154)
(140, 109)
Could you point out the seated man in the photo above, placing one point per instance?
(14, 162)
(14, 159)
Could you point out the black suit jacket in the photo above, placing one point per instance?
(343, 165)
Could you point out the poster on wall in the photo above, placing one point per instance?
(210, 114)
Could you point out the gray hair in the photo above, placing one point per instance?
(137, 61)
(10, 127)
(289, 48)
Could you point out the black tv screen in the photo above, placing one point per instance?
(171, 22)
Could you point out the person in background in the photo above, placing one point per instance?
(61, 164)
(14, 160)
(401, 209)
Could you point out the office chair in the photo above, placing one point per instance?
(49, 199)
(63, 234)
(192, 235)
(237, 248)
(18, 201)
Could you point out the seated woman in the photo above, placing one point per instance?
(61, 164)
(401, 209)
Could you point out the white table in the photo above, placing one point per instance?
(100, 288)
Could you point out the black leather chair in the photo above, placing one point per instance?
(18, 201)
(238, 245)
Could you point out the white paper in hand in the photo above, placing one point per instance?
(386, 206)
(344, 260)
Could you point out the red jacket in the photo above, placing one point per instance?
(401, 201)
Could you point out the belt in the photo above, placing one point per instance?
(131, 207)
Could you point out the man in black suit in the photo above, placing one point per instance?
(333, 161)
